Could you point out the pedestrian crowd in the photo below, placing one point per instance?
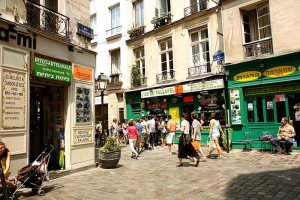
(147, 134)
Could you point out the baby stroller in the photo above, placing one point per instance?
(33, 175)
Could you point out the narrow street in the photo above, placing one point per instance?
(238, 175)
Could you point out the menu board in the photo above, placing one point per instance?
(82, 137)
(83, 105)
(235, 106)
(13, 96)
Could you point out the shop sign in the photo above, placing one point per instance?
(247, 76)
(273, 89)
(279, 71)
(206, 85)
(50, 69)
(8, 34)
(158, 92)
(82, 73)
(13, 97)
(82, 137)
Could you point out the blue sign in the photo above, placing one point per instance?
(219, 55)
(84, 30)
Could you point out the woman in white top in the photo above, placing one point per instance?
(214, 133)
(185, 148)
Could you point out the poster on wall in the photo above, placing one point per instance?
(13, 97)
(82, 137)
(83, 105)
(235, 106)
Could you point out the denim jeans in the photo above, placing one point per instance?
(288, 145)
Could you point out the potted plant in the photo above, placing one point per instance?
(136, 75)
(110, 153)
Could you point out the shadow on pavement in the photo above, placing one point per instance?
(283, 184)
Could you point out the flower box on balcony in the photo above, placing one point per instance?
(161, 21)
(136, 31)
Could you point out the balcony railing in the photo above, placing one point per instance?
(202, 5)
(260, 47)
(40, 17)
(138, 82)
(198, 70)
(113, 31)
(165, 76)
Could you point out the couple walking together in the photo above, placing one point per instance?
(185, 147)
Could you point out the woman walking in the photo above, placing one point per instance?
(133, 134)
(214, 133)
(185, 148)
(196, 136)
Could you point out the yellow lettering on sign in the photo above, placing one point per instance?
(279, 71)
(247, 76)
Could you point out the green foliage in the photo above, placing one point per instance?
(135, 72)
(110, 145)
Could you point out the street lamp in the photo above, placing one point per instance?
(101, 83)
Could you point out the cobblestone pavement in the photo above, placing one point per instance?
(238, 175)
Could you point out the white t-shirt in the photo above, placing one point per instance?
(186, 125)
(151, 124)
(144, 124)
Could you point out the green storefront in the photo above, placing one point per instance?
(204, 97)
(262, 91)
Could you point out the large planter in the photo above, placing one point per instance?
(109, 159)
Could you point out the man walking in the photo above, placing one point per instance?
(171, 129)
(151, 125)
(285, 133)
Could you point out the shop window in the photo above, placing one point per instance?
(211, 103)
(270, 108)
(250, 110)
(280, 109)
(259, 106)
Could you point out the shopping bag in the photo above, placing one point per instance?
(196, 145)
(211, 145)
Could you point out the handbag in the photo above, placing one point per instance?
(196, 145)
(211, 145)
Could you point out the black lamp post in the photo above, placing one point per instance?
(101, 83)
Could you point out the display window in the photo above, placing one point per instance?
(211, 102)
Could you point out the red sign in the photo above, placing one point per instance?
(188, 99)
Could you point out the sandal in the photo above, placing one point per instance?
(180, 165)
(219, 157)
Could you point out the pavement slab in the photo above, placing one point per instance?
(238, 175)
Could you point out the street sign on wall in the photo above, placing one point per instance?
(51, 69)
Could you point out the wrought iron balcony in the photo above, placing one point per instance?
(202, 5)
(113, 31)
(138, 82)
(165, 76)
(198, 70)
(40, 17)
(259, 47)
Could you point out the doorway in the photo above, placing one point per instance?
(47, 122)
(188, 109)
(294, 110)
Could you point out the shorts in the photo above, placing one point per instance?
(215, 136)
(170, 138)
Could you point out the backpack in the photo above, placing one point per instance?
(265, 137)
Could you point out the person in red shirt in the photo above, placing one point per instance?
(133, 134)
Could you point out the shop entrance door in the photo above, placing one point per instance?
(294, 110)
(47, 122)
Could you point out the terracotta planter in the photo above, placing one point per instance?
(109, 159)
